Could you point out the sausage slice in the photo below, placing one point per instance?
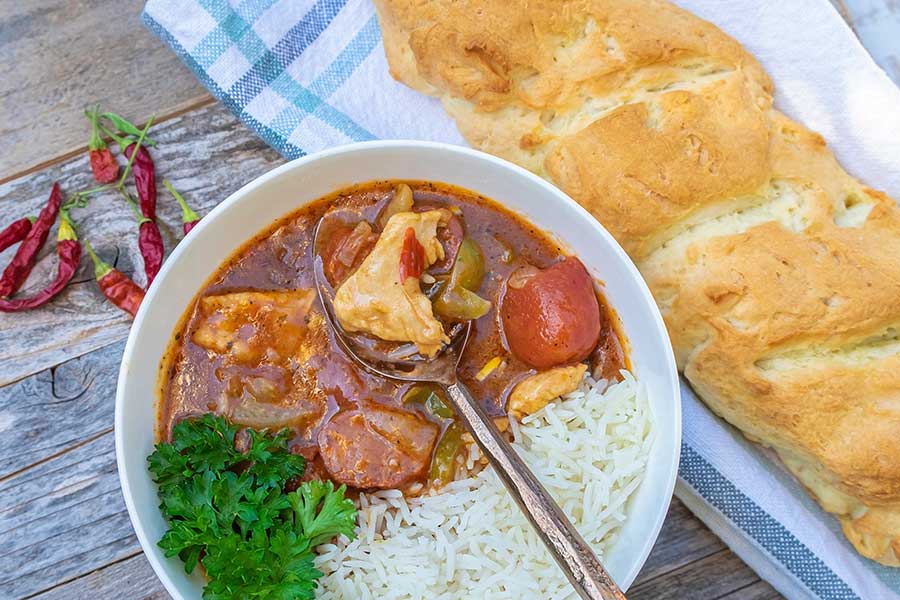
(375, 447)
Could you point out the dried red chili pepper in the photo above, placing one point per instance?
(15, 232)
(412, 256)
(140, 163)
(189, 218)
(103, 163)
(144, 173)
(115, 285)
(17, 270)
(150, 242)
(68, 249)
(138, 144)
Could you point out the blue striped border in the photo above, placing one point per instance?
(269, 71)
(232, 28)
(759, 525)
(273, 62)
(284, 147)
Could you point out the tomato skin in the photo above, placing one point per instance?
(345, 249)
(412, 256)
(551, 317)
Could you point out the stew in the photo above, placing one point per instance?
(406, 259)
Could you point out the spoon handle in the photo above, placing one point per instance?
(574, 556)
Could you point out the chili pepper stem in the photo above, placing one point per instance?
(124, 126)
(100, 268)
(66, 227)
(96, 142)
(187, 213)
(134, 153)
(79, 199)
(134, 208)
(122, 142)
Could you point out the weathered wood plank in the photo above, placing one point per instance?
(58, 57)
(711, 577)
(56, 410)
(131, 578)
(683, 540)
(755, 591)
(207, 154)
(61, 519)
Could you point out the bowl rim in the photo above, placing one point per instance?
(149, 547)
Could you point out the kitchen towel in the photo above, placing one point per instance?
(310, 74)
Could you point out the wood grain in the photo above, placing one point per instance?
(207, 154)
(131, 578)
(57, 57)
(683, 540)
(54, 411)
(61, 519)
(759, 590)
(713, 576)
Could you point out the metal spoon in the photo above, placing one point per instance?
(568, 548)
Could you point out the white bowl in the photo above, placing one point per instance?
(255, 206)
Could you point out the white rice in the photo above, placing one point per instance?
(470, 540)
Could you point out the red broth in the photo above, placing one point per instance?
(318, 382)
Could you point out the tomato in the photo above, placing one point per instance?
(345, 249)
(551, 317)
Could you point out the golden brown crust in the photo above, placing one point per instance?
(778, 273)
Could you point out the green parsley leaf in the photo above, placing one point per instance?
(270, 464)
(227, 510)
(322, 512)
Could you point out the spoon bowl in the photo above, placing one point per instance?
(403, 362)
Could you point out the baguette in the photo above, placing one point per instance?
(778, 274)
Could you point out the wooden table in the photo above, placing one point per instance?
(64, 531)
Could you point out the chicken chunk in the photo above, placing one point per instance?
(376, 447)
(254, 326)
(536, 391)
(375, 300)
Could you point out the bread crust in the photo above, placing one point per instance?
(778, 274)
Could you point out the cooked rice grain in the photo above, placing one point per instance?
(471, 541)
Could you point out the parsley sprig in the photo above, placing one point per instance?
(228, 511)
